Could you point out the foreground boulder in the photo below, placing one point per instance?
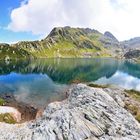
(88, 113)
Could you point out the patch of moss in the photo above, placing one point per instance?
(132, 108)
(138, 117)
(97, 86)
(2, 102)
(7, 118)
(76, 81)
(134, 94)
(135, 110)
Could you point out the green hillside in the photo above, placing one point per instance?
(65, 42)
(8, 52)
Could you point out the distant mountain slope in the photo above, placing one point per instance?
(131, 48)
(68, 42)
(133, 43)
(7, 52)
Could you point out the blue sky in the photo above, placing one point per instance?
(7, 35)
(34, 19)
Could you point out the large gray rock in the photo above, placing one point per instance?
(88, 113)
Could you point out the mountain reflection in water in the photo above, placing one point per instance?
(42, 81)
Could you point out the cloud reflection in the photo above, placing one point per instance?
(36, 89)
(121, 79)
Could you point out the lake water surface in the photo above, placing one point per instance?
(42, 81)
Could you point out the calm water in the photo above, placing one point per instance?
(44, 80)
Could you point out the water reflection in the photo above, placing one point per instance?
(121, 79)
(44, 80)
(33, 88)
(65, 70)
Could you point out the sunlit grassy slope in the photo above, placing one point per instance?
(62, 42)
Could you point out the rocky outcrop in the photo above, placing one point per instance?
(110, 35)
(88, 113)
(79, 37)
(132, 54)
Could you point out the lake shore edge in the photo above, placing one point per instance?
(102, 108)
(19, 111)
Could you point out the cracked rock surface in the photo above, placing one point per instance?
(88, 114)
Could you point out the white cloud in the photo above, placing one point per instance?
(121, 17)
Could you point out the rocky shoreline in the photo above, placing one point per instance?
(27, 112)
(88, 113)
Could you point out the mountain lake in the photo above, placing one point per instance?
(42, 81)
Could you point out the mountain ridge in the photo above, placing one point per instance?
(68, 42)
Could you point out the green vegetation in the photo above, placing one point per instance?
(7, 118)
(2, 102)
(138, 116)
(61, 49)
(97, 86)
(7, 52)
(134, 94)
(134, 108)
(61, 42)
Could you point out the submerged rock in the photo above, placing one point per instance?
(88, 113)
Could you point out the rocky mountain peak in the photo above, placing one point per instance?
(56, 31)
(70, 31)
(110, 35)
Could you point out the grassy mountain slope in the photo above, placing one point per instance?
(7, 52)
(67, 42)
